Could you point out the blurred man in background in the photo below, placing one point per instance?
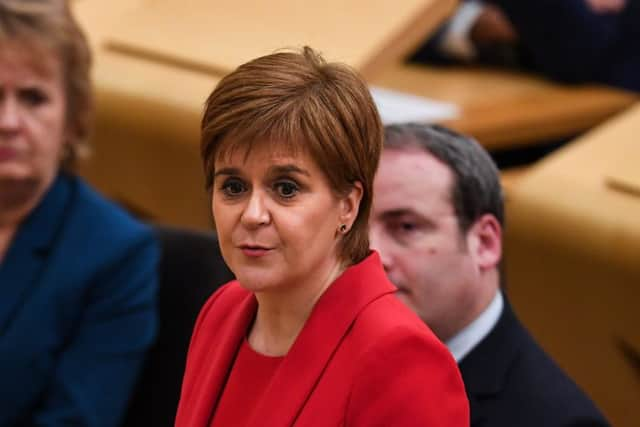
(437, 222)
(570, 40)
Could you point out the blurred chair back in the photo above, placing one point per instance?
(191, 269)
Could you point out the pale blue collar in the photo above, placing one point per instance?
(471, 335)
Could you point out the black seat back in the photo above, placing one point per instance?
(191, 269)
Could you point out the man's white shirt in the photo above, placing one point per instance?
(456, 40)
(471, 335)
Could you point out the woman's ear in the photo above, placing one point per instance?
(484, 240)
(350, 205)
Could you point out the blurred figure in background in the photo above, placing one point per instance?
(77, 274)
(571, 40)
(437, 222)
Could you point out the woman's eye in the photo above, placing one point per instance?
(33, 97)
(286, 189)
(233, 187)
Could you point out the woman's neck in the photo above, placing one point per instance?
(282, 315)
(6, 235)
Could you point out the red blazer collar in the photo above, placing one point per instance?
(322, 334)
(217, 338)
(301, 368)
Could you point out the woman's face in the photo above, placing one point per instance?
(277, 219)
(32, 115)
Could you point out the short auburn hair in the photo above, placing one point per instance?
(301, 103)
(47, 26)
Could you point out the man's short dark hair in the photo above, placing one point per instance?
(476, 188)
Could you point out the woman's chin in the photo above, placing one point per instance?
(14, 171)
(259, 280)
(256, 284)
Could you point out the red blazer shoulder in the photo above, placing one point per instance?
(362, 359)
(402, 374)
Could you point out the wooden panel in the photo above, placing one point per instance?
(218, 36)
(623, 173)
(505, 109)
(573, 253)
(570, 186)
(510, 177)
(152, 80)
(146, 139)
(145, 144)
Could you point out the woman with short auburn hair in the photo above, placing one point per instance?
(310, 332)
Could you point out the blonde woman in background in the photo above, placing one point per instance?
(77, 274)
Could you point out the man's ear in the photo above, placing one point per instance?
(484, 241)
(350, 205)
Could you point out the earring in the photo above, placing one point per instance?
(343, 228)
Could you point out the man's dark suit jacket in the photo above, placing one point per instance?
(510, 382)
(567, 41)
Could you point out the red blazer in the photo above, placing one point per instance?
(361, 359)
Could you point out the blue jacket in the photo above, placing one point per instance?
(77, 310)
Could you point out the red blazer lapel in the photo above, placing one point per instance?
(218, 339)
(327, 325)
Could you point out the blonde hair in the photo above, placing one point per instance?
(47, 25)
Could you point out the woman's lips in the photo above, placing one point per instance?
(7, 153)
(255, 251)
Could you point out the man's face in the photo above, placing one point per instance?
(415, 229)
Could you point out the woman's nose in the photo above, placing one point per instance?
(256, 212)
(9, 115)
